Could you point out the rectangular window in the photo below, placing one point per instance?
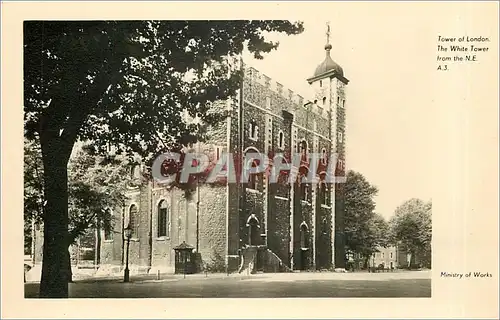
(217, 153)
(281, 139)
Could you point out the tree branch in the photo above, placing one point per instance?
(74, 233)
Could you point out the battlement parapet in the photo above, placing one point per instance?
(296, 100)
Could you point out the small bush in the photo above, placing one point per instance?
(216, 264)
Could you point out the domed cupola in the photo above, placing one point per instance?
(328, 64)
(328, 68)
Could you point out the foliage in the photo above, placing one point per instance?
(411, 227)
(128, 84)
(364, 229)
(217, 263)
(33, 195)
(95, 185)
(132, 83)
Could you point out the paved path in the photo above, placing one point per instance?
(404, 284)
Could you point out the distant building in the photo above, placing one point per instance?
(394, 257)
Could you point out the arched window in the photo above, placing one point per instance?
(163, 220)
(303, 236)
(304, 185)
(253, 230)
(133, 221)
(325, 226)
(324, 101)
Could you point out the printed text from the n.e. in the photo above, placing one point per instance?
(452, 51)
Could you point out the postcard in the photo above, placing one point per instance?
(250, 159)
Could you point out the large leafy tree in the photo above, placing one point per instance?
(95, 184)
(365, 230)
(411, 228)
(33, 191)
(126, 83)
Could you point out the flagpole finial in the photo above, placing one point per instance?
(328, 32)
(328, 46)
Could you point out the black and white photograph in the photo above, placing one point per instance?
(185, 161)
(292, 156)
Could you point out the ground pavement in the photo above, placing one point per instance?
(267, 285)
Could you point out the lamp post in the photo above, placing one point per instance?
(128, 235)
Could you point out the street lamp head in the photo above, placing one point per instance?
(128, 232)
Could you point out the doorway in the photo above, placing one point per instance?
(253, 230)
(304, 246)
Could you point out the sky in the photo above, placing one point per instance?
(387, 105)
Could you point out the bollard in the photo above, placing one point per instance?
(157, 274)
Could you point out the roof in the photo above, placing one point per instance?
(184, 246)
(328, 65)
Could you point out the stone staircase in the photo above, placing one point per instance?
(248, 260)
(273, 263)
(270, 262)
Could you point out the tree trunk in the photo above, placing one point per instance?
(365, 264)
(98, 247)
(70, 272)
(54, 280)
